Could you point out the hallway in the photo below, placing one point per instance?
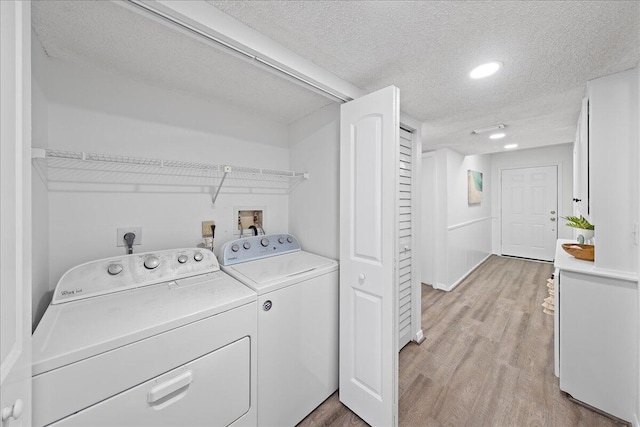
(487, 359)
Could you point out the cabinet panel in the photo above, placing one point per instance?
(598, 330)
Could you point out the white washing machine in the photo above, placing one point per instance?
(297, 323)
(153, 339)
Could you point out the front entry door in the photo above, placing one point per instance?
(369, 156)
(530, 212)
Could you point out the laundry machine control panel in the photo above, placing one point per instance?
(132, 271)
(258, 247)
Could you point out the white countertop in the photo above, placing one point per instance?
(566, 262)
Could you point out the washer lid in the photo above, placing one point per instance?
(83, 328)
(269, 274)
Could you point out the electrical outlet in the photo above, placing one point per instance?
(121, 231)
(206, 228)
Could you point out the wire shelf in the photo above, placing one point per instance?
(62, 166)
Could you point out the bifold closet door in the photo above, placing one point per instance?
(405, 206)
(369, 155)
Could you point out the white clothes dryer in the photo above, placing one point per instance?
(152, 339)
(297, 323)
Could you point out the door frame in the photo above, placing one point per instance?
(498, 192)
(432, 244)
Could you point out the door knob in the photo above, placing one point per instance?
(552, 219)
(362, 276)
(552, 212)
(15, 411)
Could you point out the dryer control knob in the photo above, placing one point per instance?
(267, 305)
(198, 256)
(114, 269)
(281, 240)
(182, 259)
(152, 262)
(264, 242)
(235, 248)
(246, 245)
(290, 239)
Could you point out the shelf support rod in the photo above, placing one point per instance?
(227, 170)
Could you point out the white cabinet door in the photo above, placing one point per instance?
(369, 145)
(15, 215)
(530, 212)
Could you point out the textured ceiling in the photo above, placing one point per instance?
(113, 38)
(426, 48)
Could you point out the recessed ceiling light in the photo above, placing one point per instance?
(497, 135)
(510, 146)
(485, 70)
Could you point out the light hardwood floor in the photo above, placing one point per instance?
(487, 359)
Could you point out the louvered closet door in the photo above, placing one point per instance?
(404, 239)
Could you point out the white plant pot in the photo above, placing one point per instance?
(587, 234)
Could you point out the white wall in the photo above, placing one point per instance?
(559, 155)
(463, 231)
(468, 226)
(90, 110)
(314, 210)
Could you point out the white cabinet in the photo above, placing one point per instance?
(597, 335)
(613, 169)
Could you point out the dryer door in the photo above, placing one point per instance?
(215, 386)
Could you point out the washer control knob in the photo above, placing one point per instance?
(182, 259)
(114, 269)
(281, 240)
(235, 248)
(290, 239)
(267, 305)
(246, 245)
(264, 242)
(198, 256)
(152, 262)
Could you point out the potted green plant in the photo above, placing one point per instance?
(581, 223)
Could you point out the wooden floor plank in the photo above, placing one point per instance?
(487, 359)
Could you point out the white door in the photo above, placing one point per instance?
(369, 141)
(405, 236)
(15, 214)
(530, 212)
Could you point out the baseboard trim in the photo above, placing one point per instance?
(419, 338)
(443, 287)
